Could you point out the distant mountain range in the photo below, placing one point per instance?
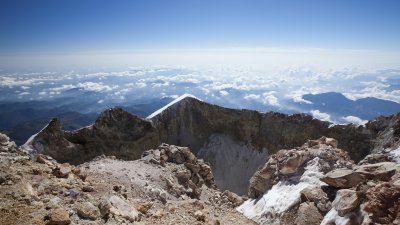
(337, 105)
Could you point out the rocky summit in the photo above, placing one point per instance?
(241, 138)
(196, 163)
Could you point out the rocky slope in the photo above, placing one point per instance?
(169, 185)
(318, 183)
(242, 138)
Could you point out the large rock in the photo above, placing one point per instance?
(192, 177)
(119, 207)
(308, 214)
(235, 199)
(6, 145)
(343, 178)
(59, 217)
(318, 196)
(379, 171)
(346, 201)
(87, 210)
(382, 204)
(62, 170)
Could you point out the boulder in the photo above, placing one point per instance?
(346, 201)
(381, 204)
(332, 142)
(343, 178)
(119, 207)
(308, 214)
(318, 196)
(199, 215)
(382, 171)
(44, 160)
(235, 199)
(62, 171)
(292, 162)
(6, 145)
(375, 158)
(59, 217)
(396, 183)
(87, 210)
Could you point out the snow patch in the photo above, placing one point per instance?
(180, 98)
(28, 146)
(332, 217)
(282, 196)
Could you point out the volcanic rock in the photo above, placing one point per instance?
(117, 206)
(382, 204)
(318, 196)
(59, 217)
(343, 178)
(87, 210)
(308, 214)
(379, 171)
(346, 201)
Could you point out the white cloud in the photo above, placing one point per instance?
(63, 87)
(96, 87)
(252, 97)
(298, 97)
(87, 86)
(141, 84)
(354, 120)
(270, 99)
(223, 93)
(24, 93)
(320, 115)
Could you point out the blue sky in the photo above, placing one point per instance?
(48, 25)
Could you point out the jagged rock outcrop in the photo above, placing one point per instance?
(116, 132)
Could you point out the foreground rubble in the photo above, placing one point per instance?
(169, 185)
